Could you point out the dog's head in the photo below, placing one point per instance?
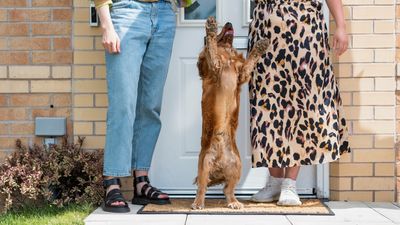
(225, 38)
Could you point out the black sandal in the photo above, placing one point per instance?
(112, 196)
(152, 194)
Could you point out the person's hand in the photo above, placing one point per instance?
(111, 41)
(340, 41)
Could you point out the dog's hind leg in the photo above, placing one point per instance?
(259, 49)
(229, 191)
(232, 177)
(202, 181)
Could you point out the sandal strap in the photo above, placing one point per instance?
(147, 190)
(153, 193)
(115, 195)
(114, 181)
(144, 188)
(150, 191)
(142, 179)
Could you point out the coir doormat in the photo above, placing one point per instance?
(218, 207)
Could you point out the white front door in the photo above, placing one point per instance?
(174, 165)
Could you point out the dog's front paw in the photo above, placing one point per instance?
(235, 205)
(261, 46)
(198, 204)
(211, 26)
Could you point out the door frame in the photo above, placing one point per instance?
(322, 177)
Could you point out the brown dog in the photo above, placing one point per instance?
(223, 70)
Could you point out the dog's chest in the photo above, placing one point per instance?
(228, 79)
(230, 73)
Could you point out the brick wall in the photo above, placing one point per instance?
(366, 75)
(35, 66)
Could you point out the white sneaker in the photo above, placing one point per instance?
(270, 192)
(289, 196)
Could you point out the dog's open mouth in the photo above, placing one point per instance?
(227, 34)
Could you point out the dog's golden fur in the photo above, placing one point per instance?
(222, 70)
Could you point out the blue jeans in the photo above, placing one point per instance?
(135, 79)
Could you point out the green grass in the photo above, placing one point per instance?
(50, 215)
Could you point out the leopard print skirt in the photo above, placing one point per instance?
(295, 105)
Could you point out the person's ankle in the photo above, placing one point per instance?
(112, 187)
(289, 183)
(289, 180)
(275, 180)
(139, 187)
(140, 173)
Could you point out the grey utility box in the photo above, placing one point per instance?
(50, 126)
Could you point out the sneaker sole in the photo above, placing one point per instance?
(269, 200)
(288, 204)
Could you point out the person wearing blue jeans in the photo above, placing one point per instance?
(138, 38)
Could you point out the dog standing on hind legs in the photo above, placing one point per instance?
(222, 70)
